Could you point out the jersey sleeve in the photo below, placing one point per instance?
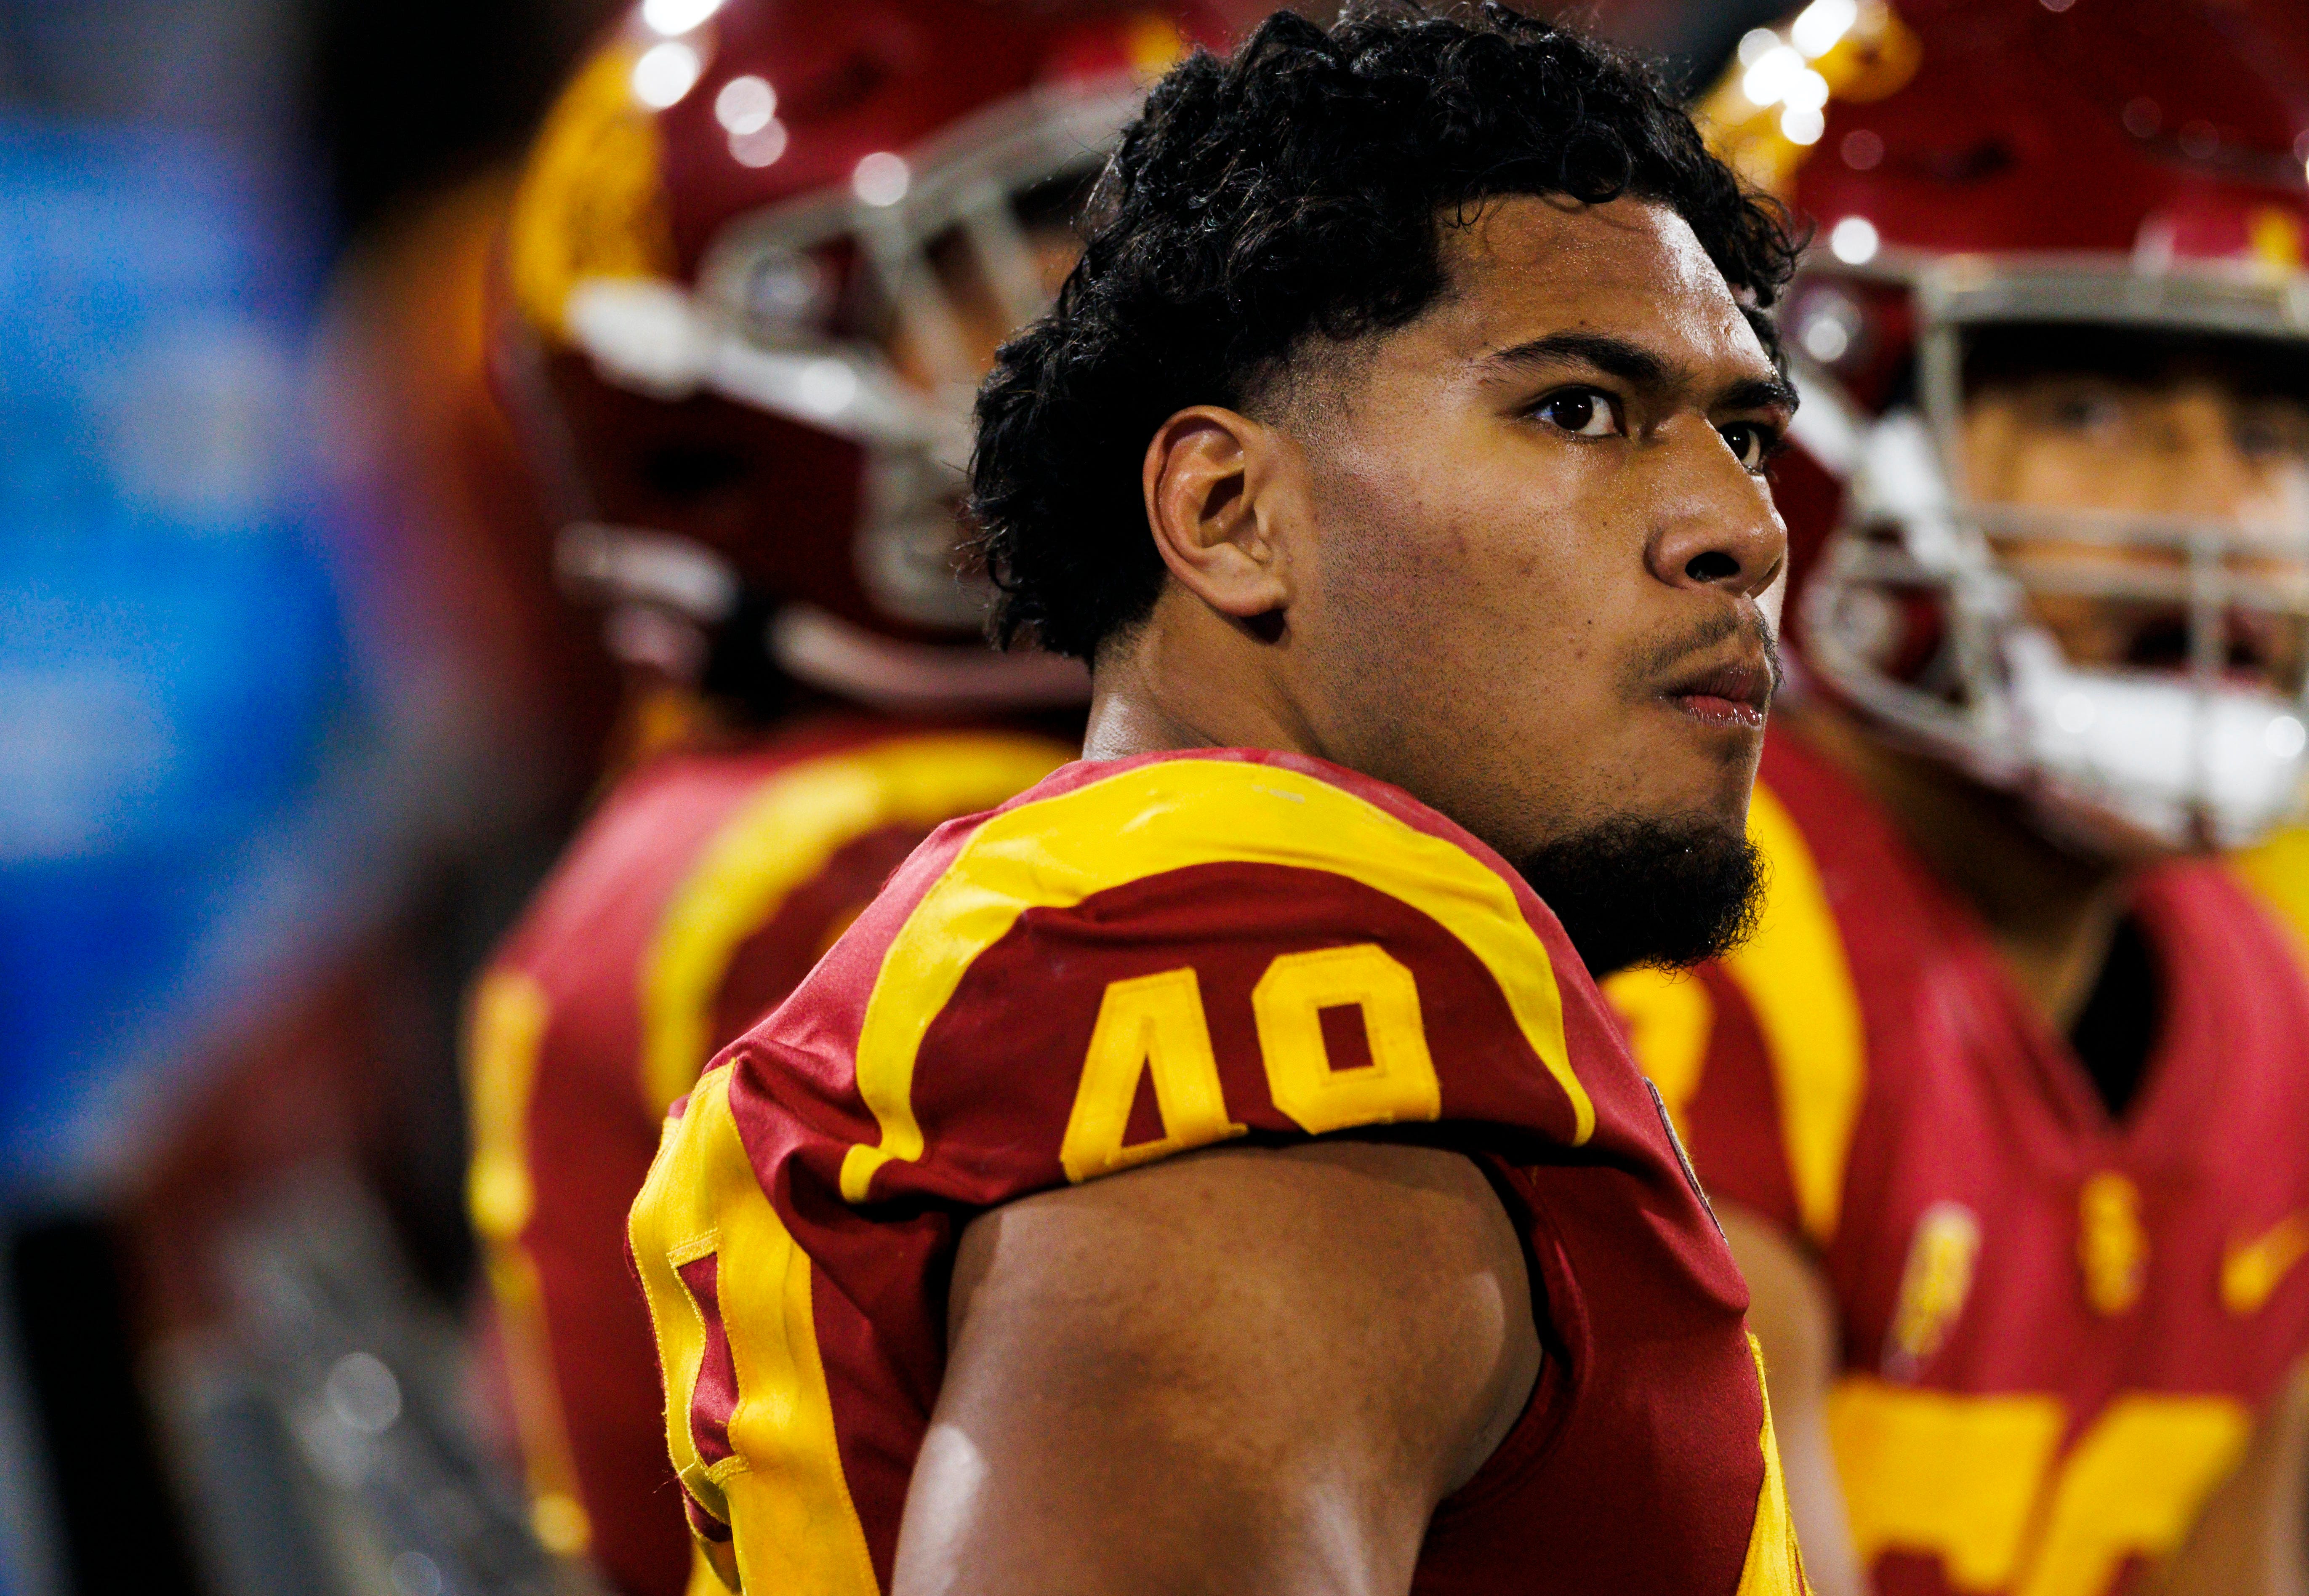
(1194, 951)
(1129, 963)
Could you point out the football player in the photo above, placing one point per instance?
(759, 257)
(2003, 1106)
(1395, 457)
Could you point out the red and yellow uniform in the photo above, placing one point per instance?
(2057, 1326)
(702, 891)
(1134, 959)
(2277, 871)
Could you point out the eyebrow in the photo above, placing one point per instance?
(1757, 393)
(1633, 363)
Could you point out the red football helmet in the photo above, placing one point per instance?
(759, 258)
(2086, 174)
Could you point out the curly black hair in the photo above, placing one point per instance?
(1297, 193)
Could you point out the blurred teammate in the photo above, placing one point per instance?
(2004, 1109)
(760, 256)
(1395, 457)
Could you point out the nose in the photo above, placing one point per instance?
(1715, 526)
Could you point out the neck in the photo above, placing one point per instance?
(2051, 912)
(1187, 678)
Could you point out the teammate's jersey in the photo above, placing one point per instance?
(2276, 869)
(1134, 959)
(2057, 1327)
(702, 891)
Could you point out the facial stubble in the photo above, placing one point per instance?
(1628, 888)
(1639, 890)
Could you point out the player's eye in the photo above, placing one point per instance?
(2093, 413)
(1753, 442)
(1584, 413)
(2272, 434)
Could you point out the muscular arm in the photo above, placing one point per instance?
(1245, 1370)
(1793, 1318)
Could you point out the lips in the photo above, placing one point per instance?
(1734, 694)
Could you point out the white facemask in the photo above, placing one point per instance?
(2188, 764)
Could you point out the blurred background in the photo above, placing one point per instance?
(292, 722)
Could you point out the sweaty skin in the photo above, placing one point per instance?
(2194, 449)
(1507, 557)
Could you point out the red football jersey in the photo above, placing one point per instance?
(705, 887)
(2057, 1327)
(1134, 959)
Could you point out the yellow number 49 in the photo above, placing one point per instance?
(1154, 1026)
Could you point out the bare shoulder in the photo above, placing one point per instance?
(1291, 1215)
(1310, 1346)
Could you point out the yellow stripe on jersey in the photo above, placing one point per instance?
(781, 1491)
(781, 838)
(1171, 815)
(1670, 1019)
(2277, 872)
(1774, 1565)
(1793, 974)
(506, 1033)
(557, 1507)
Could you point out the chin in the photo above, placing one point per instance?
(1670, 890)
(1717, 787)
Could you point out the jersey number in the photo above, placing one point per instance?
(1153, 1026)
(1977, 1480)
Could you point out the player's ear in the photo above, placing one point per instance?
(1216, 481)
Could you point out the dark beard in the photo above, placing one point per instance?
(1633, 891)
